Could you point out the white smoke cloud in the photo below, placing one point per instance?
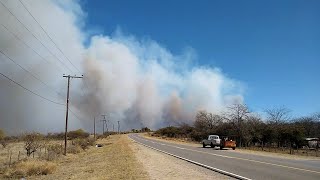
(136, 81)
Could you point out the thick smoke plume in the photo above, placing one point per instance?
(135, 81)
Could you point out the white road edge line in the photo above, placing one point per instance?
(196, 163)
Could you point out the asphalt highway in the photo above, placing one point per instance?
(245, 165)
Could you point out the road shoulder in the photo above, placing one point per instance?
(162, 166)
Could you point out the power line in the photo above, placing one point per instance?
(40, 43)
(39, 95)
(34, 52)
(34, 36)
(30, 73)
(52, 40)
(75, 114)
(49, 36)
(31, 90)
(18, 38)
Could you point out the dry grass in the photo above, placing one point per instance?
(30, 167)
(115, 160)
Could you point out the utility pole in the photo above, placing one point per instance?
(118, 127)
(67, 111)
(112, 127)
(104, 121)
(94, 128)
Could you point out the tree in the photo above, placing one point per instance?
(236, 114)
(278, 115)
(276, 118)
(309, 125)
(207, 121)
(32, 142)
(80, 133)
(3, 139)
(2, 135)
(253, 129)
(145, 129)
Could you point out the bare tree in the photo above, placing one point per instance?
(32, 142)
(207, 121)
(3, 139)
(236, 114)
(317, 116)
(308, 124)
(278, 115)
(276, 118)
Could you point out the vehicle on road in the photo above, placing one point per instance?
(227, 142)
(311, 143)
(213, 141)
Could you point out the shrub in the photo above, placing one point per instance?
(84, 143)
(77, 134)
(2, 135)
(30, 167)
(56, 148)
(73, 149)
(170, 131)
(57, 136)
(3, 139)
(32, 142)
(54, 151)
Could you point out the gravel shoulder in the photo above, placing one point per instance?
(163, 166)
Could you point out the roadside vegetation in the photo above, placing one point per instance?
(278, 131)
(36, 156)
(32, 154)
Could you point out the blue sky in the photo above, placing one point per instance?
(272, 46)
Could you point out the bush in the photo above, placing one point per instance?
(54, 151)
(73, 149)
(169, 131)
(2, 135)
(84, 143)
(30, 167)
(56, 148)
(77, 134)
(57, 136)
(32, 142)
(5, 141)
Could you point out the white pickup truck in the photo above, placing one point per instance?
(213, 141)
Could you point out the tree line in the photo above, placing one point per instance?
(276, 129)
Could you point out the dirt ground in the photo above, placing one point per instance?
(162, 166)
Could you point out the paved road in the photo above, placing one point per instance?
(246, 165)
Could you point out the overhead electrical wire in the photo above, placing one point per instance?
(31, 90)
(18, 38)
(52, 41)
(35, 77)
(35, 36)
(11, 80)
(48, 36)
(54, 55)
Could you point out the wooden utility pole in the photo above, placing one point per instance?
(104, 121)
(118, 127)
(94, 128)
(67, 112)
